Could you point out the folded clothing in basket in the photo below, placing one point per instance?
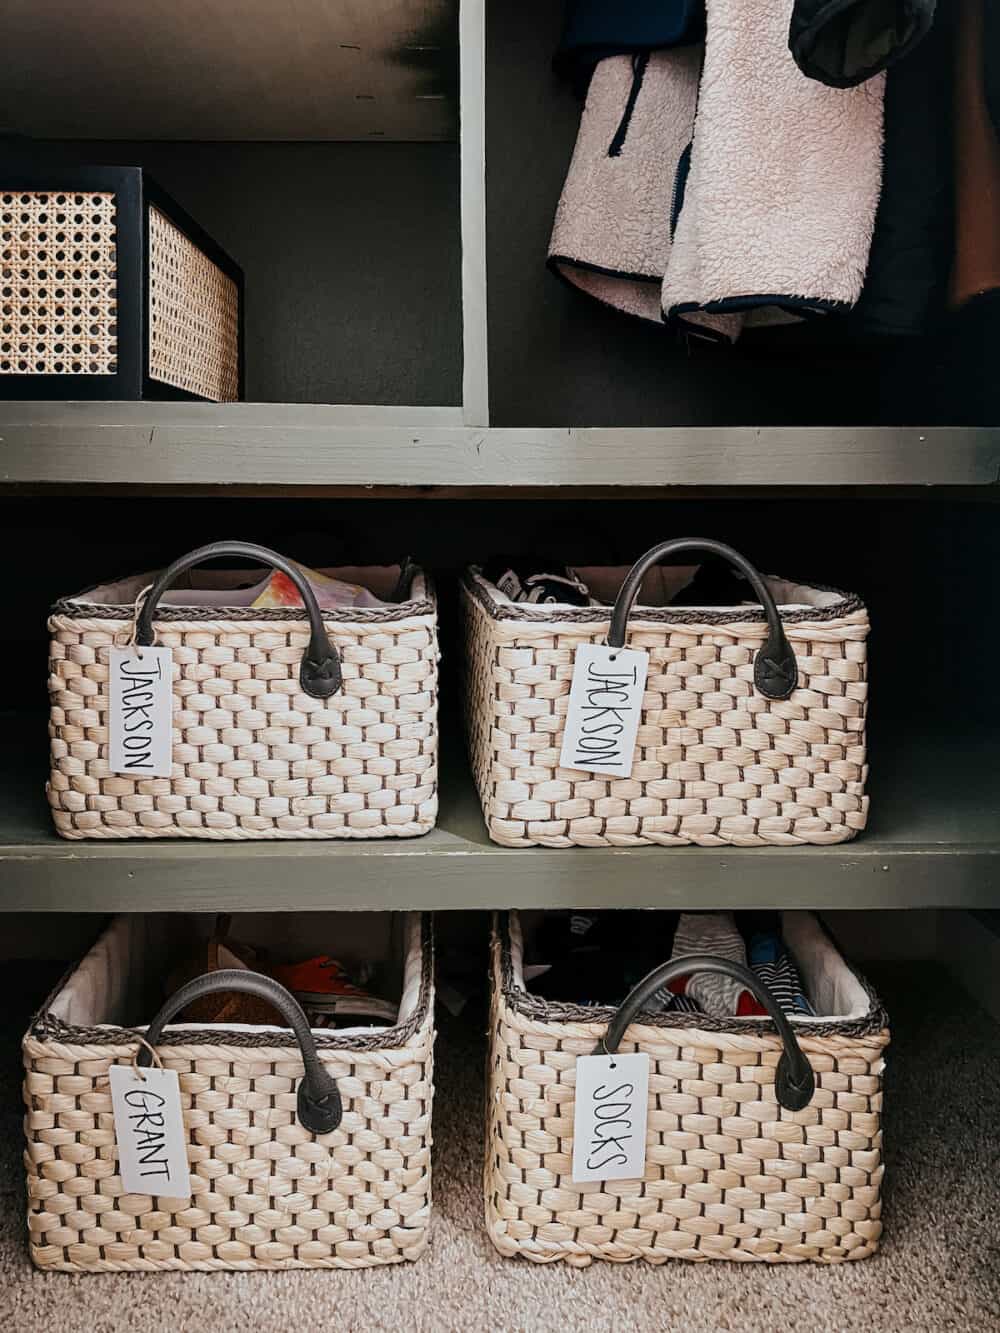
(279, 590)
(541, 581)
(330, 992)
(598, 957)
(326, 991)
(525, 579)
(764, 953)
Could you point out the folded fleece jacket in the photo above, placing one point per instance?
(611, 235)
(846, 42)
(752, 197)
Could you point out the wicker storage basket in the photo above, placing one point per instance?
(287, 722)
(730, 1173)
(266, 1191)
(752, 727)
(110, 290)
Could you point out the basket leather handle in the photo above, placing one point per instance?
(794, 1081)
(319, 674)
(775, 672)
(318, 1101)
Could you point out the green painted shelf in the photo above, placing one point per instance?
(157, 445)
(933, 841)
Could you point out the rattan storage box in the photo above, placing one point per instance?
(730, 1173)
(108, 289)
(729, 749)
(267, 1193)
(286, 722)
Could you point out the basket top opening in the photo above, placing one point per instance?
(121, 982)
(237, 589)
(836, 992)
(664, 584)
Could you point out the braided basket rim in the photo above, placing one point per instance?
(480, 588)
(539, 1010)
(77, 608)
(44, 1027)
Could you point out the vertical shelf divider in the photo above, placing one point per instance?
(472, 131)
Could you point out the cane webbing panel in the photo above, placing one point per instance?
(193, 316)
(58, 283)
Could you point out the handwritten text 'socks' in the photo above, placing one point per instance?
(605, 708)
(140, 720)
(149, 1130)
(609, 1122)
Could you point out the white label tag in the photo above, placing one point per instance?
(609, 1124)
(149, 1128)
(140, 720)
(605, 706)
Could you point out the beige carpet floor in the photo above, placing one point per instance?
(939, 1268)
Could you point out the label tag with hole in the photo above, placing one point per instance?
(140, 717)
(605, 707)
(149, 1129)
(609, 1123)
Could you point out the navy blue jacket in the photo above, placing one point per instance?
(596, 29)
(846, 42)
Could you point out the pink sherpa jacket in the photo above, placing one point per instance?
(720, 187)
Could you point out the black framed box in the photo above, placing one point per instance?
(109, 289)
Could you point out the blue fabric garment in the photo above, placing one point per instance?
(843, 43)
(596, 29)
(774, 965)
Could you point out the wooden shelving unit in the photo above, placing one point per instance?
(490, 380)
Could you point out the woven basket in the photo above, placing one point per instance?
(729, 750)
(729, 1174)
(267, 1193)
(261, 747)
(111, 290)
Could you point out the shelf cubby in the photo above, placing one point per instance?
(558, 358)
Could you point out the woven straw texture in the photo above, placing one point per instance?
(253, 755)
(729, 1173)
(266, 1193)
(715, 763)
(193, 316)
(58, 277)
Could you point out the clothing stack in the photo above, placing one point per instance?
(330, 993)
(597, 957)
(728, 171)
